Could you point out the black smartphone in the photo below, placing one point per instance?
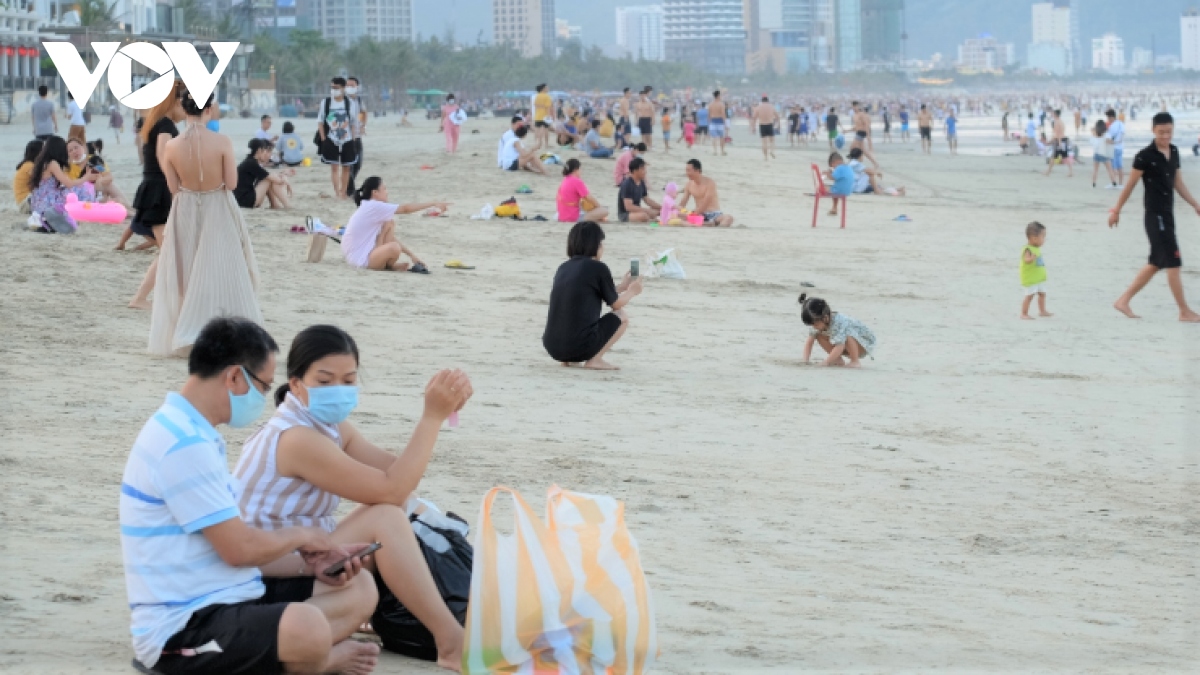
(339, 567)
(634, 267)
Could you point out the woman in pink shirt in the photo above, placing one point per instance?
(572, 194)
(449, 124)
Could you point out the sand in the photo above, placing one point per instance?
(987, 495)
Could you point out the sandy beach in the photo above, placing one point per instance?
(986, 495)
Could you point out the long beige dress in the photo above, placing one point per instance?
(206, 269)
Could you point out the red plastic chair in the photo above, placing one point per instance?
(821, 192)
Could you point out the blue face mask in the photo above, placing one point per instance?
(244, 409)
(213, 125)
(332, 404)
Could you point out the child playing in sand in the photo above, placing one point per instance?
(1033, 269)
(841, 337)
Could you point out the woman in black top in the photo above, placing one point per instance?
(152, 202)
(256, 184)
(575, 331)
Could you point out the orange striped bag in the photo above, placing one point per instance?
(566, 596)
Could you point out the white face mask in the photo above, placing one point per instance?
(336, 93)
(351, 90)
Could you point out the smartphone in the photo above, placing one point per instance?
(634, 267)
(339, 567)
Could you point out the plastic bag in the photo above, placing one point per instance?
(485, 213)
(567, 595)
(443, 541)
(667, 266)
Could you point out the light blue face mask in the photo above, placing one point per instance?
(244, 409)
(332, 404)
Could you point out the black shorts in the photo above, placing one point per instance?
(766, 130)
(541, 124)
(927, 133)
(343, 156)
(605, 329)
(247, 633)
(1164, 249)
(702, 130)
(623, 125)
(860, 134)
(646, 125)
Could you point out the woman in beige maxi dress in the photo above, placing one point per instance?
(206, 267)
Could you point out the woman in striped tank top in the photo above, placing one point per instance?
(307, 458)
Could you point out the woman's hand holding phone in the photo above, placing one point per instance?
(347, 557)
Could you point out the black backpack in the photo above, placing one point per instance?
(399, 630)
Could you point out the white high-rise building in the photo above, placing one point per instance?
(640, 32)
(1108, 53)
(985, 54)
(708, 34)
(347, 21)
(527, 25)
(1141, 58)
(1051, 47)
(1189, 40)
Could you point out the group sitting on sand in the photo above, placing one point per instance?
(222, 574)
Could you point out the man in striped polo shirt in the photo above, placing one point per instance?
(198, 600)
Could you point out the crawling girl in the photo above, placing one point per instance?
(842, 337)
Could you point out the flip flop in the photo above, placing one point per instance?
(426, 167)
(902, 219)
(308, 224)
(419, 268)
(458, 265)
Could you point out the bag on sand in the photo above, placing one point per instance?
(565, 596)
(443, 541)
(667, 266)
(508, 208)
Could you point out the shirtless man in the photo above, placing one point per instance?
(765, 116)
(862, 128)
(623, 129)
(925, 125)
(1058, 147)
(716, 122)
(704, 190)
(645, 117)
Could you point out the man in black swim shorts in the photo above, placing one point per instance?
(1157, 166)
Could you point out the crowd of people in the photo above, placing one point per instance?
(224, 558)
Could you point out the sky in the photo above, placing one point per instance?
(933, 25)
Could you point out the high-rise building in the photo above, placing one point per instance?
(847, 19)
(1141, 58)
(1189, 40)
(1078, 48)
(985, 54)
(640, 32)
(708, 34)
(1108, 53)
(882, 26)
(527, 25)
(789, 36)
(1051, 50)
(347, 21)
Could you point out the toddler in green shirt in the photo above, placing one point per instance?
(1033, 269)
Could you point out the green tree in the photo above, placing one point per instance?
(98, 14)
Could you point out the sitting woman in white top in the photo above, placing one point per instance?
(370, 238)
(297, 468)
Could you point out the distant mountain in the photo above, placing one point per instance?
(933, 25)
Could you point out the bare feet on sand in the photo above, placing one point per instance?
(139, 304)
(599, 364)
(854, 364)
(1045, 314)
(1123, 307)
(1026, 317)
(451, 659)
(351, 657)
(1189, 317)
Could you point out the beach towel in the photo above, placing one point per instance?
(567, 595)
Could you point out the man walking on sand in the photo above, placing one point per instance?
(623, 129)
(862, 127)
(1115, 136)
(716, 122)
(766, 116)
(1059, 146)
(704, 190)
(1157, 166)
(925, 126)
(644, 109)
(45, 123)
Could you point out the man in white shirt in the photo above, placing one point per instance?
(74, 113)
(1115, 137)
(507, 139)
(198, 601)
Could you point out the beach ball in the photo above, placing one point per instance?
(307, 161)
